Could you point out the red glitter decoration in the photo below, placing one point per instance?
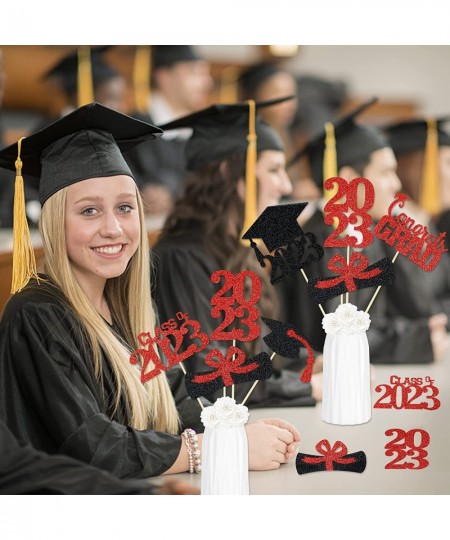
(170, 347)
(340, 211)
(410, 239)
(307, 372)
(405, 447)
(235, 286)
(348, 272)
(224, 366)
(330, 454)
(408, 393)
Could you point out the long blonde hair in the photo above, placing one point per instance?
(151, 405)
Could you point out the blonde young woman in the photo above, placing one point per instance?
(66, 382)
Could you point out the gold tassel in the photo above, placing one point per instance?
(24, 262)
(228, 85)
(429, 198)
(85, 84)
(141, 78)
(330, 167)
(329, 160)
(251, 205)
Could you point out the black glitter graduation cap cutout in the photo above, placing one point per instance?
(277, 226)
(287, 341)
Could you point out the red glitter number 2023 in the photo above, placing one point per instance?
(340, 211)
(404, 445)
(225, 303)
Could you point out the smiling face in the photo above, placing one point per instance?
(273, 180)
(102, 228)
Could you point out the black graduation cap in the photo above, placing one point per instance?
(86, 143)
(221, 130)
(411, 135)
(254, 76)
(354, 143)
(65, 71)
(168, 55)
(277, 225)
(427, 135)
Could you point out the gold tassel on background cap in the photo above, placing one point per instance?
(141, 78)
(251, 204)
(429, 198)
(329, 160)
(85, 84)
(24, 263)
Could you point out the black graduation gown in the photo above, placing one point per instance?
(49, 395)
(25, 471)
(182, 281)
(399, 332)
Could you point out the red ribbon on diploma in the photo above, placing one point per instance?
(355, 268)
(224, 366)
(330, 454)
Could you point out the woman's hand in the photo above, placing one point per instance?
(271, 441)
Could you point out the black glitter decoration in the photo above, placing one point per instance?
(331, 459)
(280, 343)
(292, 249)
(277, 226)
(197, 389)
(385, 277)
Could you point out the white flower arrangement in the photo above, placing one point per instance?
(346, 320)
(224, 413)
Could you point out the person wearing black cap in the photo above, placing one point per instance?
(81, 76)
(181, 84)
(422, 149)
(26, 471)
(405, 319)
(107, 84)
(66, 382)
(223, 197)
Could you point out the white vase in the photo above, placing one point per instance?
(346, 398)
(225, 450)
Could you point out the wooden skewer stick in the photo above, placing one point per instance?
(348, 260)
(183, 369)
(254, 384)
(232, 387)
(379, 286)
(306, 279)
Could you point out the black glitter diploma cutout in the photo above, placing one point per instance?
(332, 458)
(233, 368)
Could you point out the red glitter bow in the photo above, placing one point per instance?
(224, 366)
(330, 454)
(348, 271)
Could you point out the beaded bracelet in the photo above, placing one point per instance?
(193, 450)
